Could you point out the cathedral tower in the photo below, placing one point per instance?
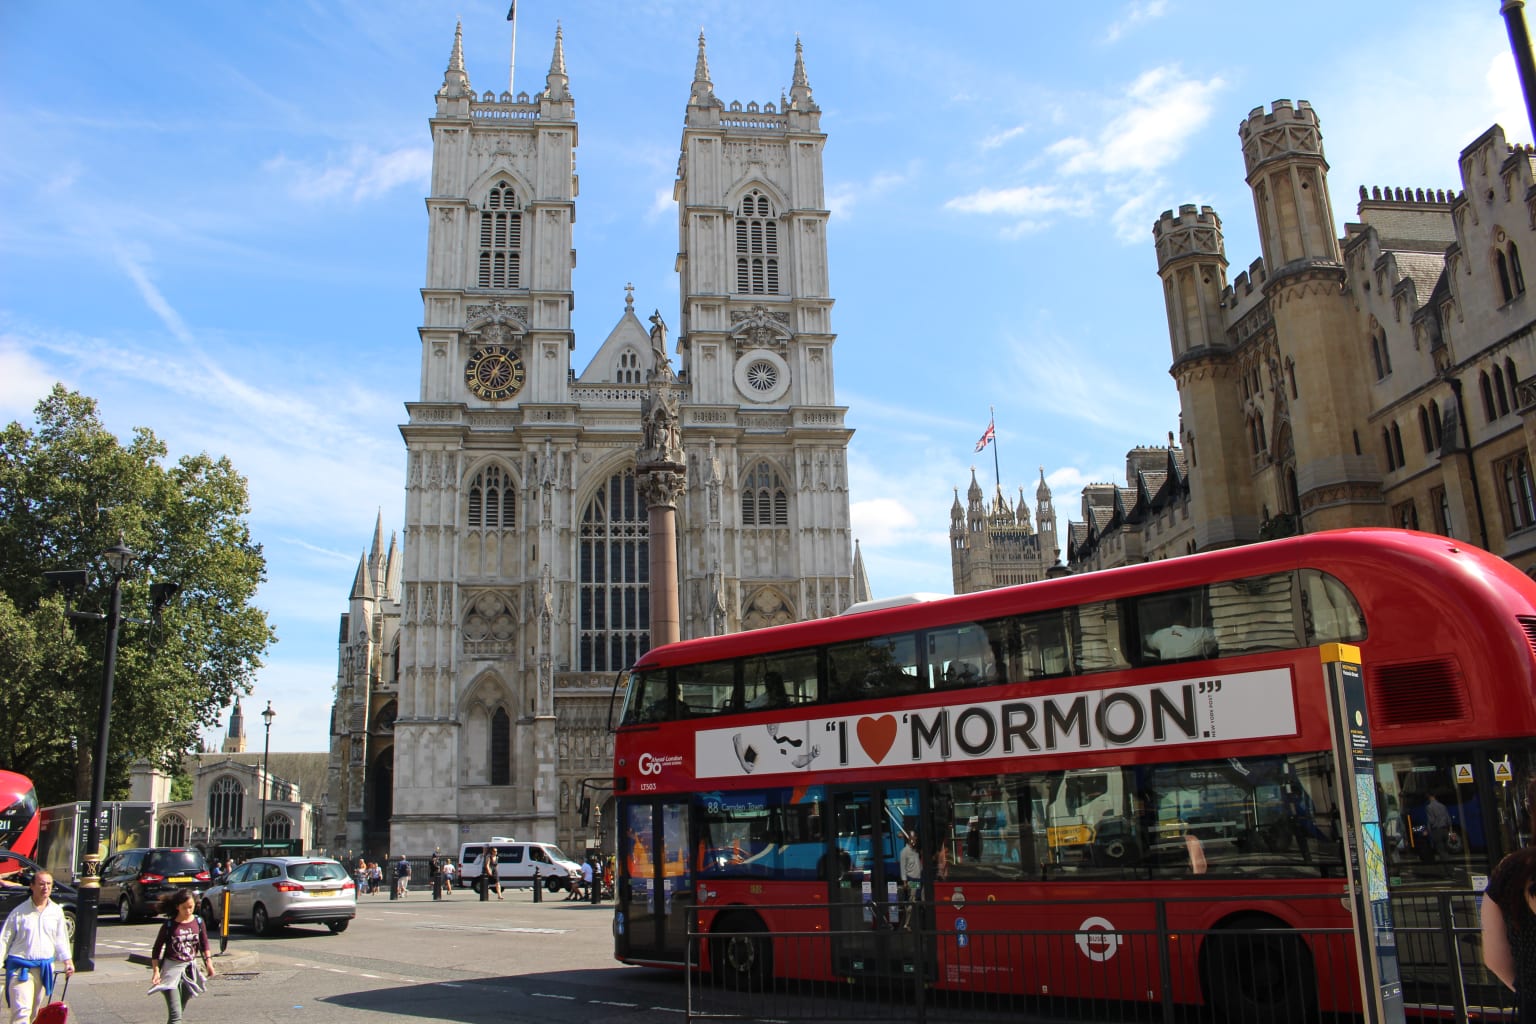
(1192, 261)
(1319, 359)
(526, 563)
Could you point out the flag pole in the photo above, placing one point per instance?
(997, 473)
(512, 59)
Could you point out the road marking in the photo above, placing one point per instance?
(605, 1002)
(668, 1009)
(551, 995)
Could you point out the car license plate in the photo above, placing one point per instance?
(180, 878)
(324, 892)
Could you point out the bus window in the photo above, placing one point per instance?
(647, 699)
(883, 666)
(1175, 626)
(1255, 614)
(706, 689)
(1332, 615)
(1095, 632)
(778, 680)
(960, 656)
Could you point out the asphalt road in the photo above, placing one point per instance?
(415, 959)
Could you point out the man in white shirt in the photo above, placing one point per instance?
(1177, 641)
(32, 940)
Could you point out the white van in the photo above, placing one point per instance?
(516, 863)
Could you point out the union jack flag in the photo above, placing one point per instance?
(988, 437)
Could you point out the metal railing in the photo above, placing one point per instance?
(877, 969)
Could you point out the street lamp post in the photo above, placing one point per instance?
(118, 559)
(266, 748)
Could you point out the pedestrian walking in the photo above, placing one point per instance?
(33, 940)
(182, 941)
(402, 876)
(375, 877)
(448, 873)
(491, 872)
(435, 873)
(1509, 929)
(584, 890)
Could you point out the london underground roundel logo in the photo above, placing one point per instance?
(1097, 939)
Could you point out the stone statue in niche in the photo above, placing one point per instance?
(662, 366)
(659, 415)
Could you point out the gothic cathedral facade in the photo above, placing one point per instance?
(478, 659)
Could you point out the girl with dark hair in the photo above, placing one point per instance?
(1509, 928)
(182, 939)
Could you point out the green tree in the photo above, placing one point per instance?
(68, 491)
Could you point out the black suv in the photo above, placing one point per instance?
(134, 880)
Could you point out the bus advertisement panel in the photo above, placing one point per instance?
(1158, 731)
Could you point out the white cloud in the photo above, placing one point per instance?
(662, 204)
(841, 197)
(1022, 201)
(1159, 113)
(362, 173)
(996, 139)
(1504, 92)
(152, 296)
(24, 380)
(1136, 14)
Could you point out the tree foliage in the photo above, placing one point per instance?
(68, 491)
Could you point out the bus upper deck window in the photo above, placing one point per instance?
(647, 700)
(1332, 613)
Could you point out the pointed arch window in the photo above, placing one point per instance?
(629, 367)
(1499, 391)
(757, 246)
(1484, 385)
(1519, 494)
(1434, 422)
(501, 239)
(1424, 430)
(1511, 379)
(1386, 443)
(614, 617)
(173, 830)
(764, 499)
(226, 804)
(277, 826)
(1381, 356)
(501, 748)
(492, 501)
(1397, 446)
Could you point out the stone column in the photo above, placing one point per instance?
(661, 476)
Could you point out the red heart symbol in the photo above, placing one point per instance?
(876, 736)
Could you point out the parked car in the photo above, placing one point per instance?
(518, 862)
(134, 880)
(269, 893)
(16, 874)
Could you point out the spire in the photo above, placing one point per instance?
(392, 568)
(234, 740)
(557, 60)
(957, 510)
(1043, 492)
(362, 586)
(861, 590)
(800, 86)
(703, 94)
(375, 552)
(455, 79)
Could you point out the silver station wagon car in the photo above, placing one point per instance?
(269, 893)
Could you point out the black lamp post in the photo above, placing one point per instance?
(266, 747)
(118, 559)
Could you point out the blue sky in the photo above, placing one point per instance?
(212, 221)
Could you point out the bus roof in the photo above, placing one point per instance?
(1365, 554)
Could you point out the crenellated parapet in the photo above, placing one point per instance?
(1379, 195)
(1284, 132)
(1193, 232)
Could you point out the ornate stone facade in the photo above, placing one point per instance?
(492, 638)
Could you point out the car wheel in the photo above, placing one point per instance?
(69, 925)
(124, 909)
(337, 927)
(261, 924)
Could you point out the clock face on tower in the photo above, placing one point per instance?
(494, 373)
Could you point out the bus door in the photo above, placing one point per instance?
(655, 890)
(876, 908)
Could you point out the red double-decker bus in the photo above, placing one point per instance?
(1159, 730)
(19, 824)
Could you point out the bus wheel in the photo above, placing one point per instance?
(1259, 973)
(741, 954)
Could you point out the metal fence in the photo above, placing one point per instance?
(1247, 974)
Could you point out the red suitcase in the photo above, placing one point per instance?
(55, 1013)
